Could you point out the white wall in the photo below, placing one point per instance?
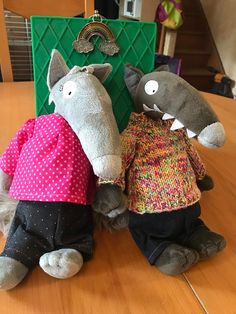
(221, 16)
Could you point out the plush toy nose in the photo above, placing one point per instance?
(107, 167)
(212, 136)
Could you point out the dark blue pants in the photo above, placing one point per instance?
(40, 227)
(154, 232)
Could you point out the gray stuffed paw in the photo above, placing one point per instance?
(205, 184)
(61, 264)
(110, 207)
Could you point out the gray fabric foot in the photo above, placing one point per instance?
(176, 259)
(206, 243)
(12, 272)
(61, 264)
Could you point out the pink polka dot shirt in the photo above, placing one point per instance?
(47, 163)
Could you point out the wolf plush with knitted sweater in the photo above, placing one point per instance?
(51, 167)
(162, 172)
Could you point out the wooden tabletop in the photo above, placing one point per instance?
(119, 280)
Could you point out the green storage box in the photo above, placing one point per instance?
(137, 42)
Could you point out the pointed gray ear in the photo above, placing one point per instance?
(101, 71)
(164, 67)
(132, 76)
(57, 68)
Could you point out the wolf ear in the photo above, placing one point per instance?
(132, 77)
(163, 67)
(57, 69)
(101, 71)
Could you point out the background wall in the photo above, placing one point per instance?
(222, 21)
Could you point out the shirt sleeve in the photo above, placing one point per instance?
(9, 158)
(196, 162)
(128, 144)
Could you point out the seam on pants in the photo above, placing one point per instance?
(150, 256)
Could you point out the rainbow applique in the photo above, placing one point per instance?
(96, 28)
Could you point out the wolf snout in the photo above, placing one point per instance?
(212, 136)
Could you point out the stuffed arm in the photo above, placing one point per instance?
(110, 199)
(5, 182)
(9, 158)
(8, 162)
(204, 181)
(205, 184)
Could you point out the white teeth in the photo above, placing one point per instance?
(156, 108)
(146, 108)
(176, 125)
(190, 133)
(167, 116)
(50, 99)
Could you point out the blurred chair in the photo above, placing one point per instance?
(27, 8)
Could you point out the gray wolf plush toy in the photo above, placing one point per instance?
(162, 173)
(50, 166)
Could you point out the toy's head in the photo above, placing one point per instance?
(161, 94)
(81, 99)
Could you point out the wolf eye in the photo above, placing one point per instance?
(69, 89)
(151, 87)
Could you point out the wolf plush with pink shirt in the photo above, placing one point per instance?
(51, 167)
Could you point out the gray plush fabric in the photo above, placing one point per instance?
(12, 272)
(82, 100)
(7, 212)
(212, 136)
(162, 95)
(174, 96)
(7, 205)
(178, 98)
(110, 208)
(58, 69)
(176, 259)
(132, 76)
(5, 181)
(61, 264)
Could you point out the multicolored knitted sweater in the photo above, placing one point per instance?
(160, 166)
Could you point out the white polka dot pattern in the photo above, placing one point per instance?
(48, 163)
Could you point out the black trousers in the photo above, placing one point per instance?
(40, 227)
(154, 232)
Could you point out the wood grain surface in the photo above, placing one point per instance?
(119, 280)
